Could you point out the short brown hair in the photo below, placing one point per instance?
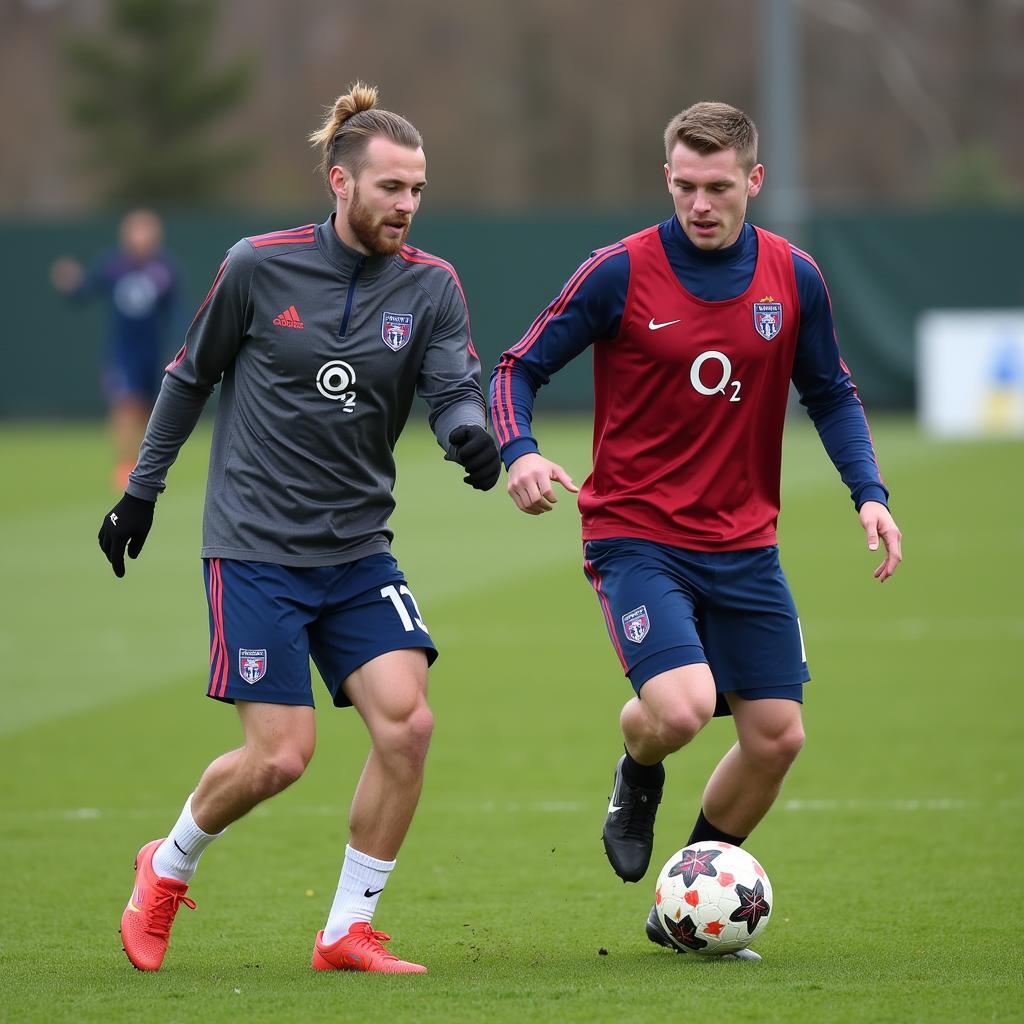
(351, 122)
(710, 127)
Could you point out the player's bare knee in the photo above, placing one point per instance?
(275, 772)
(405, 740)
(418, 729)
(790, 743)
(281, 772)
(774, 753)
(678, 725)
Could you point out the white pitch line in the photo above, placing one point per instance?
(910, 804)
(922, 804)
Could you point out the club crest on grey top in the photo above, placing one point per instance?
(396, 330)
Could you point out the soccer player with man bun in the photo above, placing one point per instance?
(320, 337)
(697, 325)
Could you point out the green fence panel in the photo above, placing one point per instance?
(886, 268)
(883, 269)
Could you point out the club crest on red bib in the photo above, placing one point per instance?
(396, 330)
(636, 624)
(768, 317)
(252, 664)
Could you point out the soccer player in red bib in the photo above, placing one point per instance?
(697, 326)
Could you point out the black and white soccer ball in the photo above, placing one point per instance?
(713, 898)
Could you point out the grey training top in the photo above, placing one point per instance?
(321, 351)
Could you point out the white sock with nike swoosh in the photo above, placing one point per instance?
(179, 854)
(362, 881)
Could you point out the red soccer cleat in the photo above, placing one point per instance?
(146, 921)
(360, 950)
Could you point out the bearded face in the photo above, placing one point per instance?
(377, 203)
(380, 228)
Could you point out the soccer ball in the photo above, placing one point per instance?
(713, 898)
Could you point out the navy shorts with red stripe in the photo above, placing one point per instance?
(268, 620)
(666, 607)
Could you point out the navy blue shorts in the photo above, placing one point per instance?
(666, 607)
(122, 381)
(267, 621)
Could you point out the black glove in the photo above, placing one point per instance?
(125, 525)
(474, 449)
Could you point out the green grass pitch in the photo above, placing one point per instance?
(894, 851)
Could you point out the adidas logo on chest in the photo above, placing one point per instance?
(289, 318)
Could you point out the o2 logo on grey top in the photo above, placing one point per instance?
(334, 380)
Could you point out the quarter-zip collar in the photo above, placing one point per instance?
(345, 258)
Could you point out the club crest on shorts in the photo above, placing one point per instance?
(252, 664)
(396, 330)
(636, 624)
(768, 317)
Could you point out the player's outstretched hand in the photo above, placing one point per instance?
(126, 525)
(529, 483)
(878, 522)
(474, 449)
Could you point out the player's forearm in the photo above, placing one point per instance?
(465, 409)
(589, 307)
(449, 382)
(519, 447)
(175, 416)
(843, 429)
(512, 394)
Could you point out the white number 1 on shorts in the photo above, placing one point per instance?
(394, 594)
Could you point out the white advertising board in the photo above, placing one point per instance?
(970, 373)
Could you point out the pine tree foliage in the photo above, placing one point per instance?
(147, 102)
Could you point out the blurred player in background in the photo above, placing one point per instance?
(320, 336)
(141, 284)
(698, 325)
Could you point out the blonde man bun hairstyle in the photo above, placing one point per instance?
(350, 123)
(360, 97)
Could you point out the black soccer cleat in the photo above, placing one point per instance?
(629, 827)
(656, 931)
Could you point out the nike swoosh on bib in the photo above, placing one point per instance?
(657, 327)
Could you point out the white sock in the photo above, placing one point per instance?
(362, 880)
(178, 855)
